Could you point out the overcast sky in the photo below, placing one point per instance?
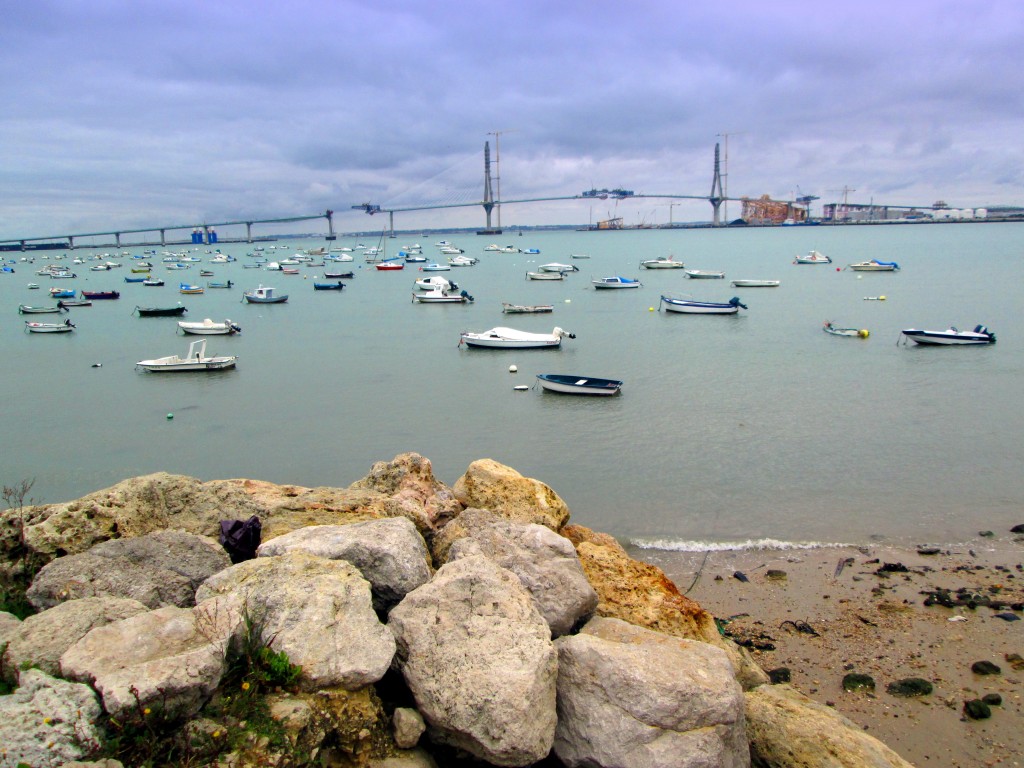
(120, 114)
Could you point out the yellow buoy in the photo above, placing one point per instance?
(881, 298)
(864, 333)
(650, 309)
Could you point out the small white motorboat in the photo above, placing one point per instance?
(462, 261)
(861, 333)
(578, 385)
(692, 307)
(510, 338)
(265, 295)
(704, 274)
(66, 327)
(545, 275)
(952, 336)
(756, 283)
(442, 297)
(209, 327)
(436, 283)
(662, 262)
(874, 265)
(616, 282)
(556, 267)
(435, 267)
(196, 360)
(813, 258)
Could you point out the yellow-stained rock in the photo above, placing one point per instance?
(490, 485)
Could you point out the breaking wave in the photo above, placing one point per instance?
(677, 545)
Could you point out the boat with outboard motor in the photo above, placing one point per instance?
(756, 283)
(874, 265)
(265, 295)
(813, 258)
(177, 311)
(704, 274)
(209, 327)
(662, 262)
(616, 282)
(952, 337)
(578, 385)
(693, 307)
(442, 297)
(66, 327)
(196, 360)
(511, 338)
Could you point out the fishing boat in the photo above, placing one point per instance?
(526, 309)
(265, 295)
(556, 267)
(952, 337)
(62, 293)
(219, 284)
(435, 267)
(662, 262)
(829, 327)
(436, 283)
(66, 327)
(813, 258)
(756, 283)
(442, 297)
(578, 385)
(196, 360)
(704, 274)
(24, 309)
(206, 273)
(510, 338)
(580, 256)
(188, 289)
(874, 265)
(616, 282)
(177, 311)
(136, 279)
(335, 286)
(692, 307)
(153, 282)
(289, 270)
(100, 295)
(390, 265)
(209, 327)
(74, 303)
(545, 275)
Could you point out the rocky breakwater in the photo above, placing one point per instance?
(417, 624)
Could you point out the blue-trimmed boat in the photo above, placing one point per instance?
(578, 385)
(693, 307)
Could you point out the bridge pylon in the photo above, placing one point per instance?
(488, 202)
(717, 196)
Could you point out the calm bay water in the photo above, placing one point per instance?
(728, 429)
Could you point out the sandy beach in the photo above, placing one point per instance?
(827, 612)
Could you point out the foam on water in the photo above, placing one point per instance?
(678, 545)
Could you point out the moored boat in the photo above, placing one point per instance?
(874, 265)
(188, 289)
(951, 337)
(442, 297)
(196, 360)
(153, 282)
(335, 286)
(545, 275)
(616, 282)
(100, 295)
(25, 309)
(219, 284)
(556, 267)
(756, 283)
(829, 327)
(209, 327)
(693, 307)
(435, 267)
(813, 258)
(704, 274)
(265, 295)
(511, 338)
(436, 283)
(66, 327)
(177, 311)
(525, 309)
(662, 262)
(578, 385)
(62, 293)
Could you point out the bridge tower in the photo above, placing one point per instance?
(717, 196)
(330, 226)
(488, 202)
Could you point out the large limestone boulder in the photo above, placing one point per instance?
(788, 730)
(389, 553)
(641, 594)
(317, 611)
(479, 661)
(47, 722)
(412, 491)
(42, 639)
(630, 696)
(544, 562)
(490, 485)
(171, 657)
(159, 568)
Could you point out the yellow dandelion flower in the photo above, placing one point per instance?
(216, 734)
(147, 711)
(245, 686)
(47, 721)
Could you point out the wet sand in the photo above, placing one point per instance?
(823, 625)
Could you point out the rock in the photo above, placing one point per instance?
(544, 562)
(976, 709)
(47, 722)
(479, 661)
(317, 611)
(987, 534)
(643, 595)
(985, 668)
(992, 699)
(412, 490)
(171, 657)
(108, 763)
(1017, 528)
(788, 730)
(1007, 616)
(470, 520)
(160, 568)
(774, 574)
(630, 696)
(1015, 660)
(855, 681)
(779, 675)
(9, 624)
(928, 550)
(490, 485)
(740, 576)
(389, 553)
(43, 638)
(909, 686)
(412, 758)
(409, 726)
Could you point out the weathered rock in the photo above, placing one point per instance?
(317, 611)
(992, 699)
(856, 681)
(412, 491)
(788, 730)
(9, 623)
(1017, 528)
(171, 657)
(409, 726)
(544, 562)
(87, 575)
(909, 686)
(479, 661)
(42, 639)
(976, 709)
(780, 675)
(108, 763)
(642, 594)
(160, 568)
(47, 722)
(470, 520)
(389, 553)
(410, 758)
(631, 696)
(985, 668)
(490, 485)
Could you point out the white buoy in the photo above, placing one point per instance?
(520, 388)
(512, 369)
(568, 301)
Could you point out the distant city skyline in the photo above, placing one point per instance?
(126, 115)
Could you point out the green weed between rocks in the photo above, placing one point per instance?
(23, 562)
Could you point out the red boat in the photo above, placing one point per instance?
(385, 266)
(98, 295)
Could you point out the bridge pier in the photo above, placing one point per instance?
(163, 239)
(23, 245)
(117, 239)
(71, 242)
(330, 226)
(248, 231)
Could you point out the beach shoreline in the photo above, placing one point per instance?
(827, 611)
